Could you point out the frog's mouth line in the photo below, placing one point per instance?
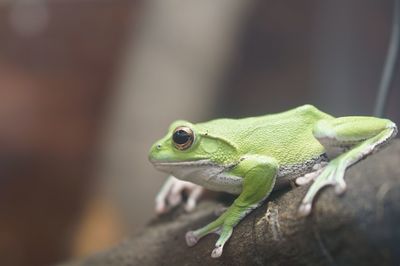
(182, 164)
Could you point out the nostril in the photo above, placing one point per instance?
(158, 146)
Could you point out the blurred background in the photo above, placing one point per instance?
(86, 86)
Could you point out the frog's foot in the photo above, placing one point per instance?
(307, 178)
(224, 232)
(192, 237)
(223, 226)
(333, 174)
(170, 195)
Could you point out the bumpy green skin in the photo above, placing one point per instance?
(225, 141)
(257, 148)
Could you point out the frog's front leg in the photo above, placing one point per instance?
(170, 195)
(350, 139)
(259, 175)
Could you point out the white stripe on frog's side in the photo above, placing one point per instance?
(299, 169)
(203, 173)
(289, 173)
(215, 177)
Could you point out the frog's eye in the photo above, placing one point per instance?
(183, 138)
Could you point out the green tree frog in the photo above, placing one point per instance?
(251, 156)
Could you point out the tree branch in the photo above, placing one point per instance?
(359, 228)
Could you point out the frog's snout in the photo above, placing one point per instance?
(154, 152)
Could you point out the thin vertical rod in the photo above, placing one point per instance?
(390, 62)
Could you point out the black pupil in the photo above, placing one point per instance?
(181, 137)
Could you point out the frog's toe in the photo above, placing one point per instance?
(174, 199)
(217, 251)
(340, 187)
(307, 178)
(305, 209)
(191, 238)
(161, 207)
(193, 197)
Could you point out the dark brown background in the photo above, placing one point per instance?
(54, 86)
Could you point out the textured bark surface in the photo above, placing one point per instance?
(359, 228)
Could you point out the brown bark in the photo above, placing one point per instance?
(358, 228)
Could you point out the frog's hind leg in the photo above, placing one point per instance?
(346, 140)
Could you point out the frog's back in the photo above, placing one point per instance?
(285, 136)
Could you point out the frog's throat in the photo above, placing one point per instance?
(205, 173)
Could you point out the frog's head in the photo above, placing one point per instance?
(189, 146)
